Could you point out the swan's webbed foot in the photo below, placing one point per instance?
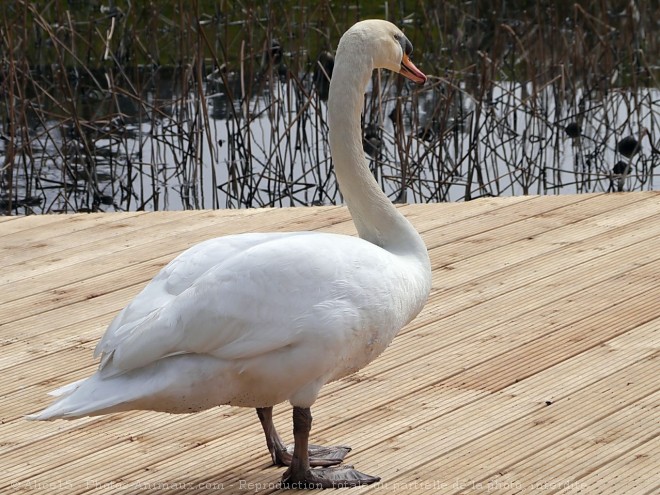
(319, 456)
(329, 477)
(301, 475)
(326, 456)
(282, 455)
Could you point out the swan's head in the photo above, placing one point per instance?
(388, 46)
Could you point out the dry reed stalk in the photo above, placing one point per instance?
(92, 121)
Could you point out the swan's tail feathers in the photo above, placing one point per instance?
(176, 384)
(66, 389)
(87, 397)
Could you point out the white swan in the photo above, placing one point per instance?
(253, 320)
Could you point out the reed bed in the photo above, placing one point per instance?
(213, 104)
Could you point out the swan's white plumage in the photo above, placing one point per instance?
(257, 319)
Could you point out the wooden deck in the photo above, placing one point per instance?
(534, 368)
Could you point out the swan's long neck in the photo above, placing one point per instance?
(375, 217)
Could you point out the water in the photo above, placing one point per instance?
(213, 105)
(206, 149)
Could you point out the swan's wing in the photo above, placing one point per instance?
(268, 297)
(178, 275)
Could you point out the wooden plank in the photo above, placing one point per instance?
(568, 462)
(607, 249)
(38, 229)
(60, 295)
(45, 299)
(494, 219)
(139, 247)
(525, 319)
(517, 242)
(477, 336)
(21, 223)
(541, 451)
(603, 367)
(452, 402)
(96, 243)
(85, 288)
(454, 446)
(83, 334)
(633, 473)
(108, 304)
(390, 412)
(400, 340)
(148, 272)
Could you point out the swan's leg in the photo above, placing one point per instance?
(281, 454)
(275, 445)
(301, 475)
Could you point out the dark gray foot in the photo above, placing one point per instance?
(300, 475)
(329, 477)
(318, 455)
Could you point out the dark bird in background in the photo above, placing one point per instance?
(573, 130)
(620, 171)
(620, 167)
(372, 143)
(323, 67)
(628, 146)
(272, 62)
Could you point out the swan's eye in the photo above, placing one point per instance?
(405, 43)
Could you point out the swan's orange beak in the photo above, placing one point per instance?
(411, 72)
